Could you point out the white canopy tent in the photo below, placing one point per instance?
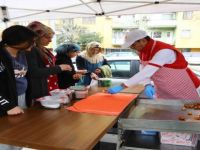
(27, 10)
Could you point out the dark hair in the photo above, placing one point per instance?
(67, 48)
(17, 34)
(147, 38)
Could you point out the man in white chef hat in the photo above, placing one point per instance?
(164, 65)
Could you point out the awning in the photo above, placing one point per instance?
(27, 10)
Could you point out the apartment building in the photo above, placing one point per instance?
(179, 29)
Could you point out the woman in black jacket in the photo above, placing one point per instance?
(13, 82)
(64, 54)
(41, 62)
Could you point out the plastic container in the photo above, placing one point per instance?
(49, 102)
(52, 106)
(65, 95)
(104, 82)
(78, 88)
(81, 94)
(174, 138)
(54, 101)
(57, 91)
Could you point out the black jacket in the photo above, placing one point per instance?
(65, 78)
(8, 91)
(38, 73)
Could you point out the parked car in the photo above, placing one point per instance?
(195, 69)
(127, 67)
(130, 54)
(123, 67)
(193, 58)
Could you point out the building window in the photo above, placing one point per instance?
(89, 20)
(118, 36)
(169, 16)
(187, 15)
(185, 50)
(186, 33)
(168, 34)
(157, 34)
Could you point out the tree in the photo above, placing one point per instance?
(69, 32)
(85, 38)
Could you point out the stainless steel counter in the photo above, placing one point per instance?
(156, 115)
(161, 115)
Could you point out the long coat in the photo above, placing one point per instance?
(39, 73)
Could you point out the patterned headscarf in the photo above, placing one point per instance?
(93, 58)
(40, 29)
(67, 48)
(91, 45)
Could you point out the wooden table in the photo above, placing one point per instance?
(57, 129)
(54, 129)
(133, 90)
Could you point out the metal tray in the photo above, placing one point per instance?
(161, 115)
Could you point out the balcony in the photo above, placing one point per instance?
(161, 24)
(124, 22)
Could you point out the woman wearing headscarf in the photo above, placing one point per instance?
(42, 62)
(64, 54)
(93, 61)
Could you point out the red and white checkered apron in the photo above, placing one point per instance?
(173, 84)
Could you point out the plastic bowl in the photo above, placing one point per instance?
(81, 94)
(50, 102)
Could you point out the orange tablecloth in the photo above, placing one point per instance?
(103, 103)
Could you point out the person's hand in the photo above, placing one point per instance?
(77, 76)
(15, 111)
(149, 91)
(97, 71)
(115, 89)
(81, 71)
(94, 76)
(65, 67)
